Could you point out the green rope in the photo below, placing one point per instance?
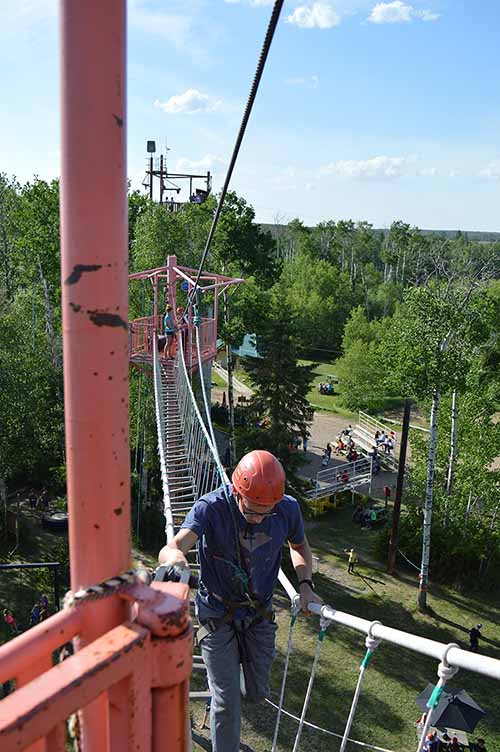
(367, 659)
(435, 697)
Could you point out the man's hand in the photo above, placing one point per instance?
(307, 595)
(172, 556)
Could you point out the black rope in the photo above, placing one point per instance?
(246, 115)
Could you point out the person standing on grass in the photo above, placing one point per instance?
(352, 560)
(10, 621)
(240, 537)
(35, 615)
(474, 635)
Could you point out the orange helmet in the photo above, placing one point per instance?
(260, 478)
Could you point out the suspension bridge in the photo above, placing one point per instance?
(128, 680)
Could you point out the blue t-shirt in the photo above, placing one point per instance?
(168, 323)
(260, 545)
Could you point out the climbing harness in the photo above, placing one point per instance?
(295, 610)
(445, 672)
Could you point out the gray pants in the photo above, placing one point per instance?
(222, 658)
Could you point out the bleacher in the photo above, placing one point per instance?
(363, 435)
(335, 479)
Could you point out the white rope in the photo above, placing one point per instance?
(324, 623)
(371, 644)
(445, 672)
(295, 612)
(326, 731)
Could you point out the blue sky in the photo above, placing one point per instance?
(367, 110)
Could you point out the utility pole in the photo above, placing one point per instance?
(151, 177)
(393, 544)
(161, 178)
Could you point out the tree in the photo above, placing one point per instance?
(429, 352)
(279, 412)
(360, 369)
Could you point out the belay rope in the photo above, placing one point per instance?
(241, 575)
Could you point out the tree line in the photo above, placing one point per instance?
(401, 313)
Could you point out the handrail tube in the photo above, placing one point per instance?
(481, 664)
(17, 655)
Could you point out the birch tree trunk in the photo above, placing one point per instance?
(429, 487)
(453, 443)
(55, 345)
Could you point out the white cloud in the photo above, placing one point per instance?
(208, 162)
(252, 3)
(427, 15)
(319, 15)
(399, 12)
(376, 167)
(428, 172)
(492, 170)
(311, 81)
(191, 102)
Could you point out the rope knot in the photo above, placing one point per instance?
(446, 672)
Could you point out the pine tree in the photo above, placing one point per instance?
(279, 412)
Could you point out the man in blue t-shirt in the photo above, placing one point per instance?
(240, 545)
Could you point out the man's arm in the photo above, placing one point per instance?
(174, 553)
(301, 556)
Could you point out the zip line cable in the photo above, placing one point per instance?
(273, 22)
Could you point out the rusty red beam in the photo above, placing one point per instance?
(34, 711)
(18, 655)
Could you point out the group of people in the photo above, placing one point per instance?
(384, 441)
(326, 388)
(39, 502)
(445, 743)
(172, 323)
(38, 613)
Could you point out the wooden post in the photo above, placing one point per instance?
(396, 511)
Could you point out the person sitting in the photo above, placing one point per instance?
(357, 515)
(454, 746)
(381, 438)
(387, 445)
(479, 746)
(344, 477)
(377, 436)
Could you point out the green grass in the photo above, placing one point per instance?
(217, 380)
(326, 402)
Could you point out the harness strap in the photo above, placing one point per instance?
(212, 625)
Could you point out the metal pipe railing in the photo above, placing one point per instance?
(481, 664)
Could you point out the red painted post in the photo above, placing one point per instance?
(95, 309)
